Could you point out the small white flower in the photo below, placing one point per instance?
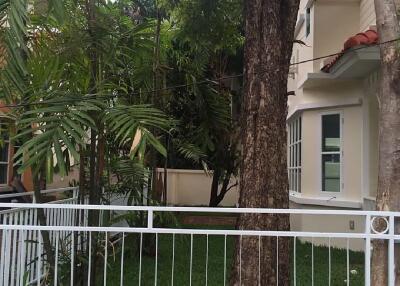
(353, 272)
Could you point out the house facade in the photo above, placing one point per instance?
(333, 115)
(8, 170)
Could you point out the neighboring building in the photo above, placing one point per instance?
(10, 180)
(8, 172)
(333, 116)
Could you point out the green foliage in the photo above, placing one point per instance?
(125, 121)
(47, 62)
(50, 70)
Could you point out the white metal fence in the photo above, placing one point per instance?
(21, 259)
(17, 247)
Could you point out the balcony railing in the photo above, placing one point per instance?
(158, 246)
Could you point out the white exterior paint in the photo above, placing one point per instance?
(367, 14)
(63, 228)
(345, 90)
(193, 188)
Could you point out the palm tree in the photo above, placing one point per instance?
(76, 73)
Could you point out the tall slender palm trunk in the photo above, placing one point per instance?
(263, 177)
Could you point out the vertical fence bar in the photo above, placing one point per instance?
(29, 247)
(122, 259)
(19, 248)
(367, 281)
(8, 252)
(156, 262)
(240, 260)
(3, 248)
(312, 261)
(173, 259)
(259, 260)
(348, 262)
(90, 258)
(140, 258)
(23, 255)
(277, 261)
(57, 235)
(391, 263)
(207, 260)
(39, 256)
(329, 261)
(294, 261)
(14, 249)
(72, 257)
(105, 258)
(191, 259)
(225, 260)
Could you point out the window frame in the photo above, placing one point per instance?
(340, 152)
(294, 164)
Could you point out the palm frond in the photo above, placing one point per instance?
(190, 151)
(125, 122)
(53, 129)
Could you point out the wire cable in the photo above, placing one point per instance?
(201, 82)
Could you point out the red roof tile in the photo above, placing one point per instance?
(369, 37)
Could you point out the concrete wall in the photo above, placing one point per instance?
(335, 22)
(328, 223)
(192, 188)
(62, 182)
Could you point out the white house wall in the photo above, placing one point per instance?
(351, 161)
(335, 22)
(367, 14)
(192, 188)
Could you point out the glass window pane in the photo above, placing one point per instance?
(4, 152)
(300, 154)
(291, 133)
(300, 127)
(3, 174)
(331, 133)
(299, 190)
(331, 173)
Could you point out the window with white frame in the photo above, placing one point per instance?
(294, 154)
(331, 152)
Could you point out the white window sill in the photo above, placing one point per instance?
(299, 198)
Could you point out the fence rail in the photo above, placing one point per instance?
(75, 234)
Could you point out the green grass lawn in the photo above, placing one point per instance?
(215, 269)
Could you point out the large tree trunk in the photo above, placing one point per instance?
(388, 194)
(263, 177)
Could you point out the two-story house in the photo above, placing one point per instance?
(333, 115)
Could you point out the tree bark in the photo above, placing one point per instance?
(263, 177)
(388, 193)
(94, 182)
(45, 234)
(215, 197)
